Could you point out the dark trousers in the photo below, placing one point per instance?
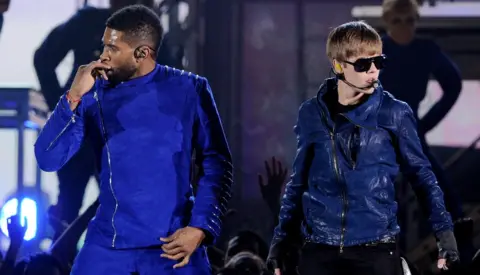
(381, 259)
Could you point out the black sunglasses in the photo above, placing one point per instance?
(363, 64)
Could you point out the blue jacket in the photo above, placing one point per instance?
(143, 133)
(342, 191)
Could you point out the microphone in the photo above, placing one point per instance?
(374, 84)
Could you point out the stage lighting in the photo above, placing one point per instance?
(28, 214)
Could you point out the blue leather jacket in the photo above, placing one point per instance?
(143, 132)
(342, 191)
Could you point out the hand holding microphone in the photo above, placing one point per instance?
(84, 81)
(85, 78)
(374, 83)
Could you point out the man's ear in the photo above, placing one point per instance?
(337, 67)
(141, 52)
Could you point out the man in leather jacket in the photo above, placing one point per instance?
(353, 139)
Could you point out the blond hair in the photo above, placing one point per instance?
(399, 6)
(353, 39)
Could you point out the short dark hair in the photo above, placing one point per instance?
(139, 23)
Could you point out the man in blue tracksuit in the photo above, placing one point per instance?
(81, 34)
(144, 121)
(353, 139)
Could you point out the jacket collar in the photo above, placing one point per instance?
(134, 81)
(365, 115)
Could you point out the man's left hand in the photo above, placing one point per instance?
(447, 250)
(182, 244)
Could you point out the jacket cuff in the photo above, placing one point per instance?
(440, 231)
(209, 226)
(273, 263)
(63, 108)
(60, 118)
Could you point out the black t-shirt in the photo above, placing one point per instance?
(335, 108)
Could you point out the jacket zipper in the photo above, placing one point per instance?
(335, 165)
(95, 95)
(344, 193)
(72, 120)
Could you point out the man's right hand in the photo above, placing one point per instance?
(85, 78)
(277, 271)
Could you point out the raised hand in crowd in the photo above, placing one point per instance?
(272, 186)
(16, 232)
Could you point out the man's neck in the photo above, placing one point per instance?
(146, 68)
(346, 93)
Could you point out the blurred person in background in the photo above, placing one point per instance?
(246, 241)
(20, 267)
(4, 5)
(58, 260)
(44, 264)
(245, 263)
(16, 233)
(82, 34)
(411, 62)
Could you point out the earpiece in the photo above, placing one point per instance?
(338, 68)
(338, 72)
(139, 53)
